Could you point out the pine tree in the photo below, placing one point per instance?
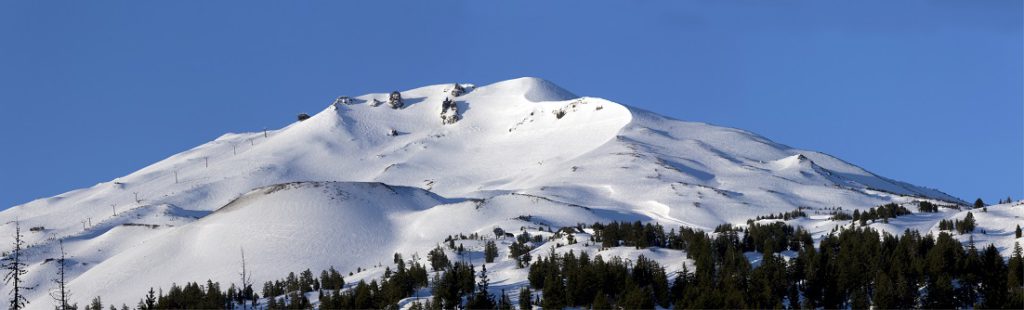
(554, 292)
(979, 203)
(1018, 231)
(438, 260)
(504, 303)
(600, 301)
(96, 304)
(1015, 277)
(16, 271)
(482, 299)
(150, 300)
(967, 225)
(993, 282)
(525, 298)
(885, 294)
(490, 251)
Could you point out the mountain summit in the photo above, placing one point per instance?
(390, 172)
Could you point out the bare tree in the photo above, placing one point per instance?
(246, 289)
(60, 293)
(16, 270)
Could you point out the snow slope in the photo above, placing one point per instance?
(313, 194)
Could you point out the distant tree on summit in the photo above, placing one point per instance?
(979, 203)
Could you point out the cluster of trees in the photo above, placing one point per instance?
(520, 249)
(855, 268)
(851, 268)
(774, 237)
(883, 212)
(191, 296)
(395, 286)
(573, 281)
(964, 226)
(925, 206)
(785, 216)
(629, 234)
(304, 282)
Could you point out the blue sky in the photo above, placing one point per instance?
(928, 92)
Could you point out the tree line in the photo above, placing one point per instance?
(856, 267)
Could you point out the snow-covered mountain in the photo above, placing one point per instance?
(368, 177)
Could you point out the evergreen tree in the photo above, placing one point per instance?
(600, 302)
(96, 304)
(993, 282)
(967, 225)
(1015, 277)
(554, 292)
(15, 270)
(520, 251)
(525, 298)
(150, 300)
(438, 260)
(490, 251)
(482, 299)
(1018, 232)
(504, 303)
(636, 298)
(885, 295)
(979, 203)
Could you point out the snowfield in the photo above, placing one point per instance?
(360, 181)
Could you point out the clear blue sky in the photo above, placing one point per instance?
(928, 92)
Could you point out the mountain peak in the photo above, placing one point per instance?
(532, 88)
(446, 160)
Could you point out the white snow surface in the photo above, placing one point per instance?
(356, 183)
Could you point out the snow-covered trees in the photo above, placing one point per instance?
(395, 100)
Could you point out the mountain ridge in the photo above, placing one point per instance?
(517, 149)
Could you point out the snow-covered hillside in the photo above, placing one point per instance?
(362, 180)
